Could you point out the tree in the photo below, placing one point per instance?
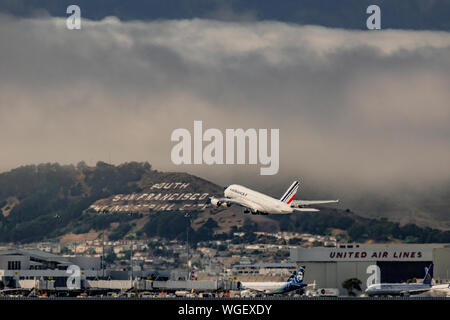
(357, 232)
(110, 258)
(66, 251)
(352, 284)
(120, 232)
(82, 165)
(412, 280)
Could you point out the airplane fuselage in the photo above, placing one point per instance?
(259, 203)
(256, 200)
(397, 289)
(272, 287)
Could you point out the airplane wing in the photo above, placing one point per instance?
(269, 288)
(255, 290)
(416, 291)
(300, 210)
(301, 203)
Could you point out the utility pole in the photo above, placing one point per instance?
(187, 216)
(103, 254)
(131, 261)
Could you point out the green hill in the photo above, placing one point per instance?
(131, 200)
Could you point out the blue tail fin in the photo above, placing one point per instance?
(297, 278)
(428, 275)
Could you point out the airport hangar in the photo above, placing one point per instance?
(330, 266)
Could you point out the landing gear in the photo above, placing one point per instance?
(259, 213)
(404, 294)
(255, 212)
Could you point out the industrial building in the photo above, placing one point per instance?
(264, 269)
(20, 266)
(330, 267)
(34, 270)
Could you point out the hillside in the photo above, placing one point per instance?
(421, 206)
(131, 200)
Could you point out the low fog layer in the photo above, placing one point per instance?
(357, 110)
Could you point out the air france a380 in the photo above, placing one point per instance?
(259, 203)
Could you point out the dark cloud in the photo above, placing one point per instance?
(356, 110)
(399, 14)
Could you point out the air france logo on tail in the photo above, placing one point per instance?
(290, 193)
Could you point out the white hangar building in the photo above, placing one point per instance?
(329, 267)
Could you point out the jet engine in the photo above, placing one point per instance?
(217, 203)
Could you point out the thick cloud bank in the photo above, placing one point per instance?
(355, 109)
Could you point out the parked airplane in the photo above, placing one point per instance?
(440, 290)
(402, 289)
(258, 203)
(294, 282)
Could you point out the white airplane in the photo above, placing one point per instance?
(402, 289)
(258, 203)
(440, 290)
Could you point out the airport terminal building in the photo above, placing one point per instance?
(329, 267)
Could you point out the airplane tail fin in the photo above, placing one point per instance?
(289, 195)
(428, 275)
(298, 277)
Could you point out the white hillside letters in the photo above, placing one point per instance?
(236, 140)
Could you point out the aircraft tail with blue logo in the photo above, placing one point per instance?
(297, 278)
(428, 275)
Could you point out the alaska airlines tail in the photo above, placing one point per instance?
(428, 275)
(289, 195)
(297, 278)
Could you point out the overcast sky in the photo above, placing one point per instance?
(358, 109)
(398, 14)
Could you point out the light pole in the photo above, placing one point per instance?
(103, 254)
(187, 216)
(131, 261)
